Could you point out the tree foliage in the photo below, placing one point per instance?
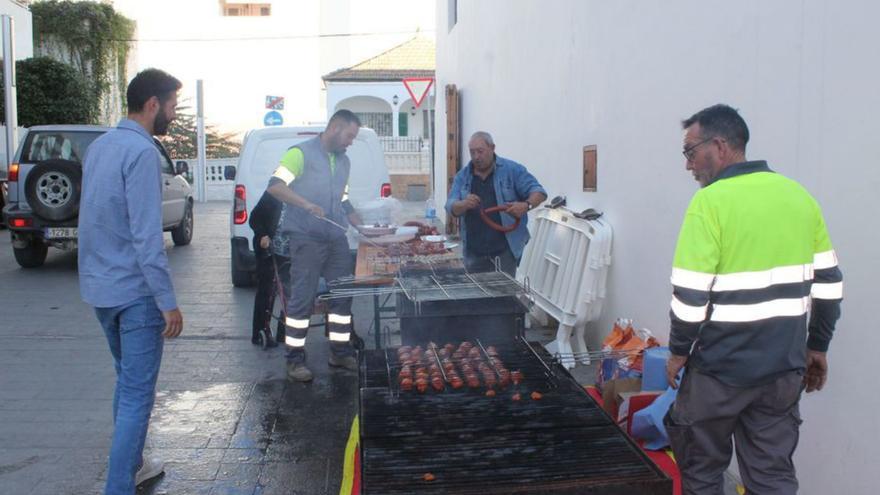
(50, 92)
(96, 38)
(182, 135)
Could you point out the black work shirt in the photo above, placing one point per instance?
(264, 218)
(482, 240)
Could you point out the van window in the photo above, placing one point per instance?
(367, 173)
(67, 145)
(268, 155)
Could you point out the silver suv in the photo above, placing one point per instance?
(44, 185)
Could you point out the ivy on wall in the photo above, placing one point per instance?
(96, 38)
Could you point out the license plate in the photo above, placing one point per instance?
(61, 232)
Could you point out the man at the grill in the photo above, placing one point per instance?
(312, 182)
(488, 181)
(753, 260)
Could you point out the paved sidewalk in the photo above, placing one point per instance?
(226, 420)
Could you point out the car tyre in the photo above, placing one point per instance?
(182, 234)
(241, 278)
(31, 256)
(53, 189)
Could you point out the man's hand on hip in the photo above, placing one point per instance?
(673, 365)
(173, 323)
(517, 209)
(817, 371)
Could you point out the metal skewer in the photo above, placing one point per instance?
(345, 229)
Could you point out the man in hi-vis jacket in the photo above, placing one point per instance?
(312, 182)
(756, 295)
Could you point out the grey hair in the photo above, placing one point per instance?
(485, 136)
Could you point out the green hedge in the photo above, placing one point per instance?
(51, 92)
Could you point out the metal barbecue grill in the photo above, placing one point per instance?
(459, 441)
(457, 285)
(422, 282)
(455, 305)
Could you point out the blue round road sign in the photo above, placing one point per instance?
(273, 118)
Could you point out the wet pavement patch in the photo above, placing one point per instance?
(264, 437)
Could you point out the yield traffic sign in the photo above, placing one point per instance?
(418, 88)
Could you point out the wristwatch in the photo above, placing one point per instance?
(530, 206)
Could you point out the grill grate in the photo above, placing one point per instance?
(470, 443)
(458, 285)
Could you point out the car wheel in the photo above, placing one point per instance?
(182, 234)
(241, 278)
(32, 255)
(53, 189)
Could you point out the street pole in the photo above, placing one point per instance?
(201, 145)
(431, 139)
(9, 86)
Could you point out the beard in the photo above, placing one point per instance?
(339, 145)
(160, 124)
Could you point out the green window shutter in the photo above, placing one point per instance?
(402, 124)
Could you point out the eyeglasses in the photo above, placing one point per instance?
(690, 151)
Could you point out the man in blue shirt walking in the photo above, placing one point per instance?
(486, 182)
(123, 269)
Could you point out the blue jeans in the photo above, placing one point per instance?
(134, 332)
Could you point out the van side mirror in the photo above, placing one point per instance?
(229, 172)
(182, 168)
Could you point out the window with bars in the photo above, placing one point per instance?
(246, 9)
(378, 121)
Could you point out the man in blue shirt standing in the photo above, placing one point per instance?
(488, 181)
(123, 270)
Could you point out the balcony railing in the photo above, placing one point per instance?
(401, 144)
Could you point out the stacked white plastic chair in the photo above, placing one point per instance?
(566, 263)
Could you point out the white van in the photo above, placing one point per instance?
(261, 152)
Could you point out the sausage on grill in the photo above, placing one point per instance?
(422, 385)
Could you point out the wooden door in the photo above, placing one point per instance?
(453, 146)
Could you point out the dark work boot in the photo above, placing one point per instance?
(296, 366)
(299, 372)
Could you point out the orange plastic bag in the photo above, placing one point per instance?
(625, 347)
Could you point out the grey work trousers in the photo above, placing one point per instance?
(309, 261)
(764, 421)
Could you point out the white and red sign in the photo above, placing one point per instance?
(275, 102)
(418, 88)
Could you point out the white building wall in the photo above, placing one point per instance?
(23, 27)
(548, 79)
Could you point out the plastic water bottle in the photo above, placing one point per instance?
(430, 211)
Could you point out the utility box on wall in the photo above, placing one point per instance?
(590, 165)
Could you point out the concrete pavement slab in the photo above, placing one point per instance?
(219, 398)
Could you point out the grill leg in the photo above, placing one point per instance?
(579, 344)
(562, 346)
(377, 321)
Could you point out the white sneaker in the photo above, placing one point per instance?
(152, 467)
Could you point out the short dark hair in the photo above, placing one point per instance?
(723, 121)
(147, 84)
(346, 116)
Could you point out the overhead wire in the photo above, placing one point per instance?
(269, 38)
